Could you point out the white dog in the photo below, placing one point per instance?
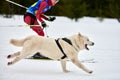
(60, 49)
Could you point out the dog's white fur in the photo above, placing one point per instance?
(49, 48)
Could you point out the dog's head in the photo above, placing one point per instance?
(84, 42)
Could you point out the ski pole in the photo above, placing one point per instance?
(16, 4)
(21, 25)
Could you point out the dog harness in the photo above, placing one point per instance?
(60, 47)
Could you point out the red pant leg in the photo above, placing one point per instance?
(38, 29)
(32, 21)
(28, 20)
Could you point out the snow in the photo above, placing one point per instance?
(103, 58)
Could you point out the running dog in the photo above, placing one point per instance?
(58, 49)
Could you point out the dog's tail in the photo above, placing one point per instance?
(18, 42)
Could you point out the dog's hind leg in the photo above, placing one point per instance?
(23, 54)
(14, 55)
(14, 61)
(63, 64)
(80, 65)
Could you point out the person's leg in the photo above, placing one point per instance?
(31, 20)
(38, 29)
(28, 19)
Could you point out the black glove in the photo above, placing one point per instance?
(51, 18)
(44, 24)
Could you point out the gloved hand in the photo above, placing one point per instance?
(44, 24)
(51, 18)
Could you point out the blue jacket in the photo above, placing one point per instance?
(32, 9)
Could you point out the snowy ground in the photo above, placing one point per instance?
(103, 58)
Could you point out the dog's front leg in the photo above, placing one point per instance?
(63, 64)
(80, 65)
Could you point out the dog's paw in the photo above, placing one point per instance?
(66, 71)
(9, 63)
(90, 72)
(9, 56)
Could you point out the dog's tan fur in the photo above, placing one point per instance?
(49, 48)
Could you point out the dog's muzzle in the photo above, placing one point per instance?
(86, 46)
